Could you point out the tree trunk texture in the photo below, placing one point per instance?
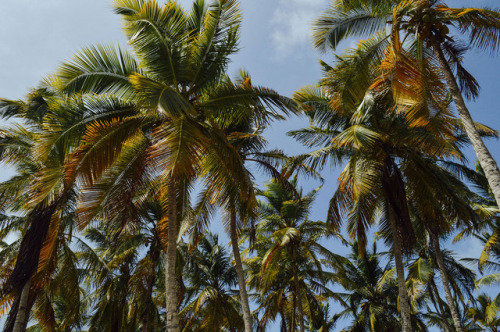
(438, 305)
(22, 310)
(283, 323)
(484, 156)
(446, 285)
(404, 302)
(8, 325)
(28, 257)
(394, 190)
(146, 315)
(29, 251)
(170, 280)
(297, 292)
(247, 315)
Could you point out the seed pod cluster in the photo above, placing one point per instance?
(426, 23)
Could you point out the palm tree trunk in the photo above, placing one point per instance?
(22, 310)
(283, 322)
(170, 280)
(146, 316)
(230, 326)
(293, 320)
(297, 292)
(404, 302)
(438, 305)
(247, 315)
(394, 189)
(31, 245)
(446, 284)
(484, 157)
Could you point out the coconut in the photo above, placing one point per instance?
(444, 30)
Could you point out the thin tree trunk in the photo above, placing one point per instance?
(170, 280)
(292, 320)
(404, 302)
(439, 306)
(247, 315)
(484, 156)
(283, 322)
(446, 284)
(398, 211)
(22, 310)
(146, 317)
(297, 291)
(230, 326)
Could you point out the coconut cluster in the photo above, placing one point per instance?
(427, 23)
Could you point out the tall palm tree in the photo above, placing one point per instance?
(236, 194)
(430, 21)
(352, 120)
(38, 149)
(485, 313)
(444, 321)
(439, 201)
(289, 265)
(371, 293)
(123, 266)
(321, 319)
(487, 230)
(19, 194)
(458, 281)
(176, 80)
(209, 277)
(115, 271)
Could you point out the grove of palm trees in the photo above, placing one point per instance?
(145, 189)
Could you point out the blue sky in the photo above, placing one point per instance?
(36, 36)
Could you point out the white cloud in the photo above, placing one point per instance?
(292, 24)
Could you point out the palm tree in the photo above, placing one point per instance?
(487, 230)
(385, 151)
(288, 267)
(18, 150)
(485, 313)
(56, 301)
(176, 80)
(439, 201)
(38, 149)
(209, 277)
(321, 320)
(123, 265)
(490, 255)
(371, 293)
(444, 321)
(233, 188)
(429, 21)
(454, 276)
(60, 305)
(114, 278)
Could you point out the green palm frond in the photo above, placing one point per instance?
(98, 69)
(155, 95)
(98, 150)
(158, 34)
(481, 25)
(340, 22)
(216, 39)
